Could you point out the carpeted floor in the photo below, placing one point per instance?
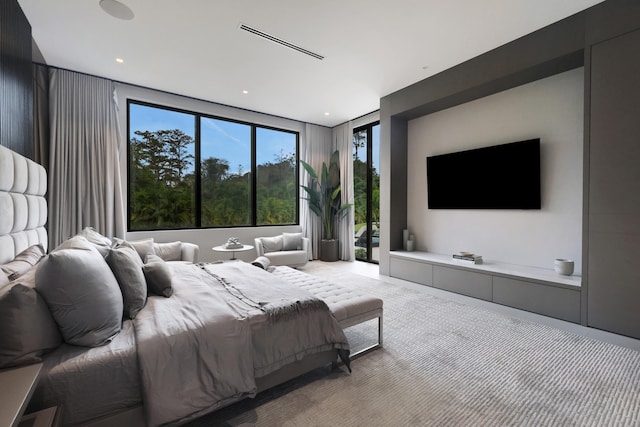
(446, 363)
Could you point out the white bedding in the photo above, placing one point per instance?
(202, 348)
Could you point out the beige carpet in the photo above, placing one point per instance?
(450, 364)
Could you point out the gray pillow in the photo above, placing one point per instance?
(76, 242)
(142, 247)
(126, 265)
(158, 275)
(82, 294)
(292, 241)
(27, 330)
(272, 244)
(168, 251)
(101, 242)
(22, 262)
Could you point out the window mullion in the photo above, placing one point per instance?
(254, 179)
(197, 176)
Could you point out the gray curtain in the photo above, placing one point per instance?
(41, 114)
(316, 148)
(84, 169)
(343, 141)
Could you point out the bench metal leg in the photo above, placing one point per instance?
(372, 347)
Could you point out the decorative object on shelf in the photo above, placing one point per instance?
(405, 237)
(468, 257)
(563, 266)
(325, 201)
(411, 244)
(233, 243)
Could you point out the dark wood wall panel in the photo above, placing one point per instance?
(16, 81)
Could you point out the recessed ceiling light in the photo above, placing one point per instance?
(117, 9)
(120, 60)
(326, 114)
(245, 92)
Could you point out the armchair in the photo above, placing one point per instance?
(291, 249)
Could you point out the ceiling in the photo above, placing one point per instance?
(370, 48)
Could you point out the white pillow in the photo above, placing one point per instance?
(21, 263)
(168, 251)
(143, 247)
(102, 243)
(272, 244)
(292, 241)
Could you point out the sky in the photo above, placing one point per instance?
(219, 138)
(225, 139)
(375, 146)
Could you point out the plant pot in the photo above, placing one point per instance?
(329, 250)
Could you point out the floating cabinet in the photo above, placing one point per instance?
(540, 291)
(413, 271)
(468, 283)
(553, 301)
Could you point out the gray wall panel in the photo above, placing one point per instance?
(614, 186)
(16, 82)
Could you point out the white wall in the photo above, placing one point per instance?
(550, 109)
(205, 238)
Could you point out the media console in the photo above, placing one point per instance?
(532, 289)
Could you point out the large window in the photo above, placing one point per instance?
(189, 170)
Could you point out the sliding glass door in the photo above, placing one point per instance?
(366, 183)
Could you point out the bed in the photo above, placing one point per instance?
(197, 338)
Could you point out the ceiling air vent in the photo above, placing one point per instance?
(279, 41)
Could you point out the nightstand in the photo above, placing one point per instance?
(18, 385)
(17, 388)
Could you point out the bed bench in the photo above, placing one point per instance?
(349, 306)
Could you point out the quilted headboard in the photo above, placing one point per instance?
(23, 207)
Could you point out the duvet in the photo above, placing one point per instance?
(224, 326)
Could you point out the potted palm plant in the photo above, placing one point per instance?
(324, 199)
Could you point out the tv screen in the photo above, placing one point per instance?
(503, 176)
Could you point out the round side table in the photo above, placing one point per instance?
(233, 251)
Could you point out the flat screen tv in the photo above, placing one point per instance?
(505, 176)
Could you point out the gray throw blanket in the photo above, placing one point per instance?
(294, 302)
(278, 299)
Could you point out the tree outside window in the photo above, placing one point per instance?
(246, 175)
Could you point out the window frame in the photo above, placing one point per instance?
(368, 128)
(197, 168)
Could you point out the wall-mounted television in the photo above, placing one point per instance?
(505, 176)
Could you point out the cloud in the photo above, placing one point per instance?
(213, 125)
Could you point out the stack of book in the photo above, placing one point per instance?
(468, 257)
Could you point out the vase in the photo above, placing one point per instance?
(329, 250)
(410, 246)
(563, 266)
